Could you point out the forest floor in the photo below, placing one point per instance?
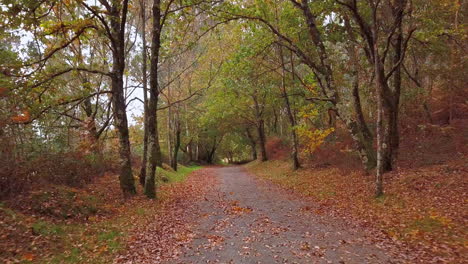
(423, 210)
(60, 224)
(228, 215)
(424, 207)
(326, 211)
(259, 213)
(242, 219)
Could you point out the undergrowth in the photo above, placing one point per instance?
(69, 225)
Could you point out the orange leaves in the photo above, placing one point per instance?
(240, 210)
(236, 209)
(215, 239)
(23, 117)
(28, 257)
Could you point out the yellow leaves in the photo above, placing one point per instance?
(440, 218)
(312, 89)
(392, 234)
(313, 138)
(52, 27)
(309, 112)
(414, 233)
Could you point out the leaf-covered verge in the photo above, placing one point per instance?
(424, 208)
(60, 224)
(164, 238)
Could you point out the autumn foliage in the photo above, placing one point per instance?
(358, 105)
(422, 208)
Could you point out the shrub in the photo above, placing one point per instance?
(68, 168)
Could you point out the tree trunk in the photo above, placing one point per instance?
(361, 138)
(393, 133)
(380, 150)
(358, 128)
(364, 145)
(169, 134)
(175, 152)
(253, 144)
(154, 158)
(391, 139)
(144, 160)
(127, 183)
(189, 147)
(382, 106)
(384, 115)
(260, 124)
(262, 140)
(120, 121)
(356, 123)
(197, 150)
(211, 152)
(292, 119)
(169, 123)
(275, 121)
(90, 124)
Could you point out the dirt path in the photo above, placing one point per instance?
(245, 220)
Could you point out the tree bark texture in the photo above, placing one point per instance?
(154, 157)
(144, 159)
(117, 25)
(291, 117)
(253, 143)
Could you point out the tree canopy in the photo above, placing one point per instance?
(144, 83)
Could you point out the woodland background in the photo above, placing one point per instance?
(343, 101)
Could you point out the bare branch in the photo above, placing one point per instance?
(181, 100)
(57, 74)
(319, 99)
(75, 100)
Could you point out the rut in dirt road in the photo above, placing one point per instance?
(245, 220)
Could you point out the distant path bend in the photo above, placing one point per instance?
(245, 220)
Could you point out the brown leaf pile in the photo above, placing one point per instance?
(166, 233)
(59, 224)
